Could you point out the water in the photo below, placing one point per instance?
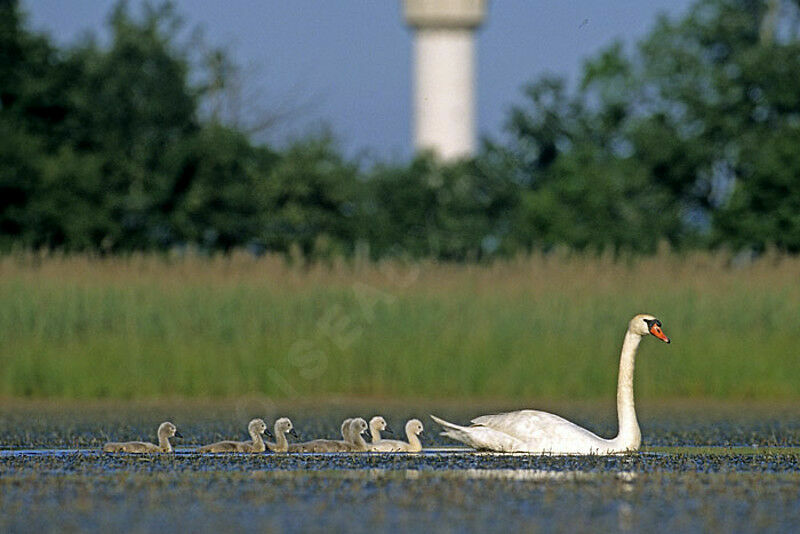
(748, 481)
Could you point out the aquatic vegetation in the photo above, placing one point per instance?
(679, 485)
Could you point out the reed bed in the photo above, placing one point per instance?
(547, 326)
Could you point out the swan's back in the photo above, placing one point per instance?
(527, 431)
(255, 428)
(538, 431)
(321, 445)
(131, 446)
(391, 445)
(231, 446)
(328, 445)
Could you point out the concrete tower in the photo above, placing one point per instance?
(444, 73)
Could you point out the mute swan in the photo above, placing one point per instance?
(542, 433)
(282, 427)
(255, 428)
(413, 430)
(377, 425)
(326, 445)
(357, 427)
(345, 429)
(165, 431)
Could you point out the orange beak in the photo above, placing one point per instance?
(656, 331)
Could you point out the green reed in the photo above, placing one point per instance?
(537, 327)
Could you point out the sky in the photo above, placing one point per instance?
(346, 64)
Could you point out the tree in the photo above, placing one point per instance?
(217, 194)
(33, 103)
(452, 211)
(689, 121)
(578, 182)
(311, 198)
(689, 137)
(764, 207)
(715, 105)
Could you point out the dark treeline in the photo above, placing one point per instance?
(691, 138)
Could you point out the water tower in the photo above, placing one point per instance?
(444, 73)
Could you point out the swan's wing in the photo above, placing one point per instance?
(481, 437)
(542, 431)
(387, 445)
(139, 446)
(520, 420)
(320, 445)
(219, 446)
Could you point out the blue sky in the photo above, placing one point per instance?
(347, 63)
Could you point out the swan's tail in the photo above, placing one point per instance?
(456, 432)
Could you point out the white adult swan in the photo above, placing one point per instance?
(538, 432)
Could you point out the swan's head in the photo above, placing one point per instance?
(357, 426)
(169, 430)
(345, 428)
(644, 324)
(379, 423)
(258, 426)
(284, 426)
(414, 427)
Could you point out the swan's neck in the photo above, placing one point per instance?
(281, 443)
(629, 437)
(358, 440)
(258, 441)
(376, 434)
(413, 440)
(163, 442)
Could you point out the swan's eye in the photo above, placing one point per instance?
(651, 322)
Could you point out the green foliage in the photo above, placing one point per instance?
(426, 209)
(312, 196)
(595, 202)
(672, 140)
(577, 182)
(216, 191)
(713, 103)
(19, 178)
(689, 138)
(765, 206)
